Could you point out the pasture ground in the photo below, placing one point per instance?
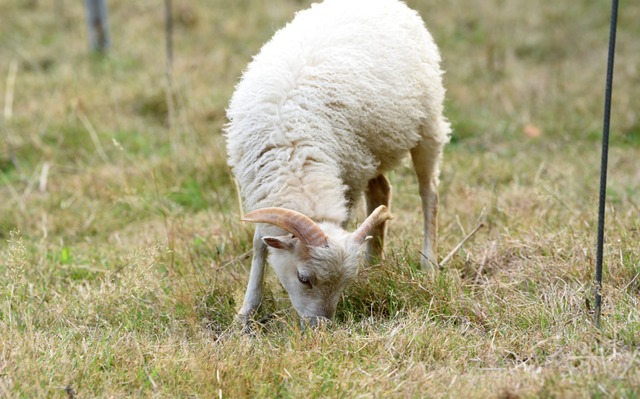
(123, 260)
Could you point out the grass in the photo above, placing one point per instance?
(123, 260)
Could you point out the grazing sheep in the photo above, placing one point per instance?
(336, 98)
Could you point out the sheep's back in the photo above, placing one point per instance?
(358, 79)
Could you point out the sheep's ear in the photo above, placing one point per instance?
(281, 242)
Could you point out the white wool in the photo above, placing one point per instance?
(338, 96)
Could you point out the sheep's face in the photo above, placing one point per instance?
(316, 260)
(315, 277)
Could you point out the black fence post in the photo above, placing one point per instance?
(604, 160)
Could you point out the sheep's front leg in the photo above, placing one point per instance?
(426, 157)
(253, 295)
(378, 193)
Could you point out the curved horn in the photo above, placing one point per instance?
(379, 215)
(301, 226)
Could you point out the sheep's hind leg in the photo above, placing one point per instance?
(378, 193)
(426, 157)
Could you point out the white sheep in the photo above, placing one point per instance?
(336, 98)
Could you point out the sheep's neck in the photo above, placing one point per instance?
(305, 183)
(320, 196)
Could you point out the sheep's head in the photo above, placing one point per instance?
(315, 261)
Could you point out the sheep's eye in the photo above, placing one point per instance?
(304, 279)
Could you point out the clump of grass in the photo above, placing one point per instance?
(15, 261)
(218, 310)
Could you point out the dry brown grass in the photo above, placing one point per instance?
(123, 262)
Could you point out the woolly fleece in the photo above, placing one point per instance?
(338, 96)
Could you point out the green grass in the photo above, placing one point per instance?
(123, 260)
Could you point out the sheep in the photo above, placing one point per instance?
(336, 98)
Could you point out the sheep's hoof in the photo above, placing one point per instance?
(250, 326)
(245, 324)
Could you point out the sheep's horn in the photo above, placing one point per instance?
(379, 215)
(301, 226)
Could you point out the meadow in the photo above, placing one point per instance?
(123, 260)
